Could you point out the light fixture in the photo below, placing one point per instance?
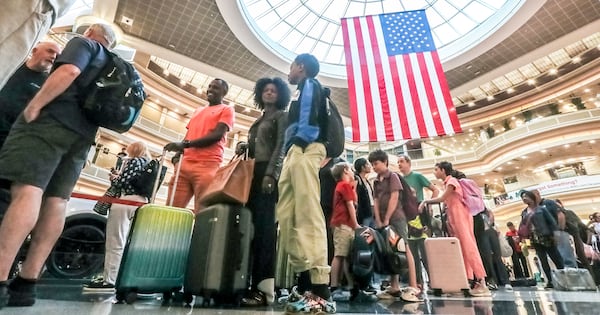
(513, 118)
(471, 104)
(592, 141)
(567, 145)
(182, 82)
(166, 72)
(553, 71)
(510, 90)
(544, 151)
(531, 81)
(576, 59)
(490, 97)
(586, 91)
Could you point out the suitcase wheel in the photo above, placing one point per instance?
(167, 297)
(188, 298)
(466, 292)
(120, 296)
(437, 292)
(131, 297)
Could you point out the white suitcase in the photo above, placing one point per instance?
(446, 266)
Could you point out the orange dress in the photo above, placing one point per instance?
(460, 225)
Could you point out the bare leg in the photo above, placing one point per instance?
(412, 270)
(20, 218)
(45, 234)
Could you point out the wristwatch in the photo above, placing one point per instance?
(186, 143)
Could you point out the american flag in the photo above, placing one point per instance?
(396, 85)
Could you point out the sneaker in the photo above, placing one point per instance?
(389, 294)
(311, 304)
(103, 287)
(3, 296)
(340, 295)
(480, 290)
(410, 294)
(94, 281)
(292, 296)
(21, 292)
(508, 287)
(370, 289)
(492, 286)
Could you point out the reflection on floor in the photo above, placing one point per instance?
(66, 297)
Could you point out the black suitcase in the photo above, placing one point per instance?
(219, 255)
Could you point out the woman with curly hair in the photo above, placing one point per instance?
(265, 145)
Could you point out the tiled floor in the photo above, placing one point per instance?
(66, 297)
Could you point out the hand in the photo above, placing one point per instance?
(174, 146)
(386, 222)
(241, 148)
(268, 184)
(31, 113)
(422, 206)
(379, 224)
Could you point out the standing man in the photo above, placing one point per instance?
(301, 220)
(520, 267)
(25, 23)
(24, 84)
(203, 146)
(42, 159)
(415, 180)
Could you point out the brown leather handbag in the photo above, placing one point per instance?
(231, 183)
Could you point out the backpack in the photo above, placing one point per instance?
(336, 138)
(363, 256)
(143, 183)
(472, 197)
(408, 199)
(115, 97)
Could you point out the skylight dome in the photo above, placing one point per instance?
(290, 27)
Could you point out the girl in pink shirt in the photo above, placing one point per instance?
(460, 225)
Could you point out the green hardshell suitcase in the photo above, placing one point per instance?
(156, 254)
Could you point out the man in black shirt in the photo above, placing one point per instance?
(24, 83)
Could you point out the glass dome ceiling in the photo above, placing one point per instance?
(290, 27)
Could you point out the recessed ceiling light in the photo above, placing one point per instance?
(524, 157)
(510, 90)
(544, 151)
(586, 91)
(576, 59)
(592, 141)
(531, 81)
(553, 71)
(513, 118)
(471, 104)
(567, 145)
(490, 97)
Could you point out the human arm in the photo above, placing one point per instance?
(212, 137)
(437, 199)
(352, 213)
(56, 84)
(434, 190)
(376, 214)
(306, 133)
(276, 161)
(394, 196)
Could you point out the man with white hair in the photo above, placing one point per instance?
(42, 159)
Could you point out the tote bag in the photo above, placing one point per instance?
(231, 183)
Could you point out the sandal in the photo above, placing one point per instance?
(254, 298)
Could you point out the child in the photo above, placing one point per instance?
(343, 222)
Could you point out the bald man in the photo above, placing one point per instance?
(24, 84)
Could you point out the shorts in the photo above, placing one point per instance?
(343, 236)
(44, 154)
(401, 227)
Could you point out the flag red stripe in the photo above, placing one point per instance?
(385, 103)
(364, 69)
(410, 77)
(352, 99)
(402, 116)
(446, 92)
(433, 106)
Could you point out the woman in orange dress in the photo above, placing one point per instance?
(460, 225)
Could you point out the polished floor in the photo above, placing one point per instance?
(66, 297)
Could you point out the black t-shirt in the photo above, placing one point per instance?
(16, 94)
(86, 55)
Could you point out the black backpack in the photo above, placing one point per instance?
(335, 127)
(143, 183)
(115, 97)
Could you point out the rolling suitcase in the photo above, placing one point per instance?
(218, 262)
(285, 277)
(444, 255)
(573, 279)
(156, 252)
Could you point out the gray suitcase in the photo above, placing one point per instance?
(573, 279)
(218, 262)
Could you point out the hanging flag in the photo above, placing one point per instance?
(396, 85)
